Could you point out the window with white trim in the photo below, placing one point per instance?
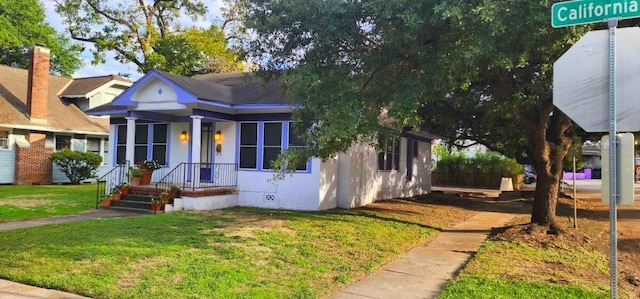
(389, 157)
(4, 140)
(63, 142)
(248, 145)
(93, 145)
(79, 143)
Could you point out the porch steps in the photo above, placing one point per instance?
(133, 202)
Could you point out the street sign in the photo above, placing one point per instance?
(625, 169)
(570, 13)
(581, 85)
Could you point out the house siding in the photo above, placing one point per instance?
(104, 96)
(58, 177)
(298, 191)
(7, 164)
(361, 183)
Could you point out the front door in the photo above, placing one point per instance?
(206, 152)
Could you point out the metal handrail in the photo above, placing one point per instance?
(110, 180)
(208, 175)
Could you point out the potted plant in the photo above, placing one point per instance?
(115, 194)
(106, 201)
(156, 204)
(124, 188)
(174, 191)
(134, 175)
(164, 196)
(150, 165)
(147, 167)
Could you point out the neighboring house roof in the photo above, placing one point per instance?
(62, 116)
(591, 150)
(80, 87)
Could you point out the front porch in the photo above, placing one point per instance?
(215, 188)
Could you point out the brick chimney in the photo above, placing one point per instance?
(38, 85)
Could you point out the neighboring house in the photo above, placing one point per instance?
(91, 92)
(38, 117)
(225, 129)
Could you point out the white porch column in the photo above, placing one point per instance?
(196, 140)
(131, 139)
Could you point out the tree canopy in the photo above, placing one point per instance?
(479, 69)
(149, 34)
(23, 25)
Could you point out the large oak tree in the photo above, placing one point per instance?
(23, 25)
(150, 34)
(478, 69)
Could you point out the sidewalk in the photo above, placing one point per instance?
(10, 289)
(89, 215)
(14, 290)
(424, 271)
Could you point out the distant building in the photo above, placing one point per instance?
(41, 113)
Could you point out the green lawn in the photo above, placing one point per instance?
(469, 286)
(235, 253)
(30, 202)
(258, 253)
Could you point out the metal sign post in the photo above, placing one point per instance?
(575, 203)
(571, 13)
(613, 198)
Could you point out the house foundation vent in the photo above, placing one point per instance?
(270, 198)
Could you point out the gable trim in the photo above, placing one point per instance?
(125, 98)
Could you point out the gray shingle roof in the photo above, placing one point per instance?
(82, 86)
(247, 88)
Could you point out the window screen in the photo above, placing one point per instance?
(272, 143)
(248, 145)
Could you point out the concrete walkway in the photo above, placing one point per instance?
(424, 271)
(14, 290)
(89, 215)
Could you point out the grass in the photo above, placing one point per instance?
(31, 202)
(257, 253)
(515, 264)
(511, 269)
(234, 253)
(470, 286)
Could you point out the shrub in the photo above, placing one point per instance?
(482, 170)
(76, 165)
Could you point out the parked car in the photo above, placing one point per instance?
(530, 176)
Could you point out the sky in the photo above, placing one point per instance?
(113, 67)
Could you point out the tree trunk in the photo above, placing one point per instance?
(549, 143)
(546, 193)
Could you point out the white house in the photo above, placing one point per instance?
(222, 130)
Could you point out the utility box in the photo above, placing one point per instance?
(625, 165)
